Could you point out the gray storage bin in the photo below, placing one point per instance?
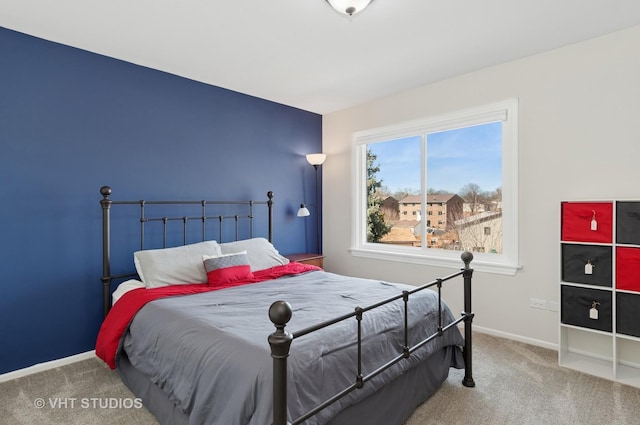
(575, 257)
(628, 222)
(577, 302)
(628, 313)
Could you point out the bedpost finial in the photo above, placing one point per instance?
(105, 191)
(466, 257)
(280, 313)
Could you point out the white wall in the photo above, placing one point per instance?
(579, 133)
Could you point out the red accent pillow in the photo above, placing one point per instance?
(225, 269)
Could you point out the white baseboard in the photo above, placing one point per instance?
(519, 338)
(40, 367)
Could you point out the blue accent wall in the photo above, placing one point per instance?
(72, 121)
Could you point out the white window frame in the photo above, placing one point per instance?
(505, 263)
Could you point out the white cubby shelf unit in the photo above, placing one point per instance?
(600, 289)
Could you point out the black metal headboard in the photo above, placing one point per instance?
(244, 219)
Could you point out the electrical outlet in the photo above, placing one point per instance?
(552, 306)
(536, 303)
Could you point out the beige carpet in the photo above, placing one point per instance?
(515, 384)
(521, 384)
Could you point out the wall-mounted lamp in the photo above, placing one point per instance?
(349, 7)
(303, 211)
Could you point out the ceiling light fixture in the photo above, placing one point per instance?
(349, 7)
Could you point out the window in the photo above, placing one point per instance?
(461, 167)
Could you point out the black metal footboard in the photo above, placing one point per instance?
(280, 341)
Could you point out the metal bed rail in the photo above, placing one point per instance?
(280, 341)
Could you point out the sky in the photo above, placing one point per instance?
(454, 159)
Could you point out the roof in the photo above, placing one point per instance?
(399, 235)
(404, 223)
(431, 198)
(479, 218)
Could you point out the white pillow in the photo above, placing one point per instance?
(262, 254)
(174, 266)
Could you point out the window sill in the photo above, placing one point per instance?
(450, 260)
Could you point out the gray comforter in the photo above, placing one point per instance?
(209, 352)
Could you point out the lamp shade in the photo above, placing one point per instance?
(316, 158)
(303, 211)
(349, 7)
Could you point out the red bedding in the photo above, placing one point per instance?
(122, 312)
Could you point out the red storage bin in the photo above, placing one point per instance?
(628, 268)
(577, 218)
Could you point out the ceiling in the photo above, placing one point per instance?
(303, 54)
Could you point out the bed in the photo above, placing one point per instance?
(215, 332)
